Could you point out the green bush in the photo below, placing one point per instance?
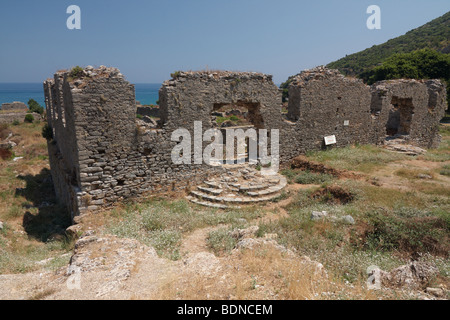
(411, 232)
(35, 107)
(221, 241)
(15, 122)
(47, 132)
(29, 118)
(175, 75)
(76, 72)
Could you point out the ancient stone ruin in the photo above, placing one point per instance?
(102, 153)
(14, 106)
(15, 111)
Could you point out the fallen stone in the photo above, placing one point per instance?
(245, 233)
(437, 292)
(74, 231)
(348, 219)
(415, 275)
(1, 225)
(316, 215)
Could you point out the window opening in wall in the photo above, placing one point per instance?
(400, 116)
(238, 114)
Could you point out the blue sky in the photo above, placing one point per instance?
(147, 40)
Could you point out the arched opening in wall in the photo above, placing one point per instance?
(240, 114)
(400, 116)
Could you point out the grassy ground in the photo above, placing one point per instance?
(33, 222)
(400, 204)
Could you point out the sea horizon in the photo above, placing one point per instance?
(146, 93)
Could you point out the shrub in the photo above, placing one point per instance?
(411, 233)
(76, 72)
(35, 107)
(175, 75)
(29, 118)
(47, 132)
(221, 241)
(15, 122)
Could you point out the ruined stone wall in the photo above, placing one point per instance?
(193, 96)
(15, 111)
(14, 106)
(10, 117)
(148, 111)
(101, 153)
(323, 103)
(410, 108)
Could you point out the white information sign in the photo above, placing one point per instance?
(330, 140)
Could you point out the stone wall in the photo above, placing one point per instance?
(323, 103)
(101, 153)
(10, 117)
(409, 108)
(14, 106)
(148, 111)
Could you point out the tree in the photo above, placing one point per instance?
(35, 107)
(420, 64)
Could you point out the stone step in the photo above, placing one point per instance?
(213, 184)
(270, 190)
(231, 199)
(213, 191)
(253, 188)
(206, 203)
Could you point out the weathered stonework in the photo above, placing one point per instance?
(15, 111)
(10, 117)
(101, 153)
(14, 106)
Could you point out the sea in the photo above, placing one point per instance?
(146, 93)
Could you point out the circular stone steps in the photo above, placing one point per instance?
(239, 185)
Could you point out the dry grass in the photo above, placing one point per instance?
(263, 273)
(41, 295)
(28, 205)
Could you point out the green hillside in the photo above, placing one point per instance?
(433, 35)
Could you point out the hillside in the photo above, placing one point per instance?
(433, 35)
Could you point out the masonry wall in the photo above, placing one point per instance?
(415, 106)
(10, 117)
(323, 103)
(101, 154)
(14, 106)
(193, 96)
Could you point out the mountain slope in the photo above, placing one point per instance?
(434, 35)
